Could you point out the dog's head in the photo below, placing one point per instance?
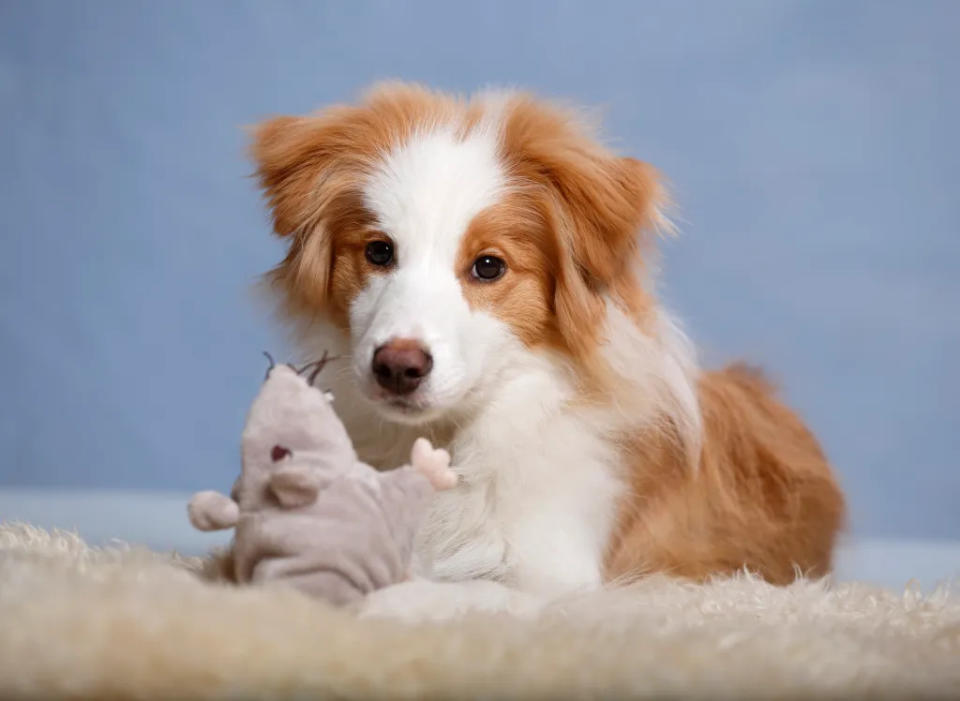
(446, 236)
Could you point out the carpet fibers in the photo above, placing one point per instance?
(83, 622)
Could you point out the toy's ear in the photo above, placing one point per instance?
(294, 486)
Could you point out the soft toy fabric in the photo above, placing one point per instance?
(307, 512)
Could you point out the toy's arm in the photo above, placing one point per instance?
(295, 486)
(212, 511)
(406, 491)
(433, 464)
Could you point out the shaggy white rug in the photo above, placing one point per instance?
(82, 622)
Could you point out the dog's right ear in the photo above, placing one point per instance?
(291, 158)
(307, 168)
(303, 163)
(312, 170)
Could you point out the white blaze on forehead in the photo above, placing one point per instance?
(427, 190)
(424, 195)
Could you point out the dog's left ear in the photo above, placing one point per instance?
(602, 208)
(607, 203)
(613, 205)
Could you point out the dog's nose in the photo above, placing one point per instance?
(400, 365)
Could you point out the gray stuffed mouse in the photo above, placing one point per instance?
(307, 512)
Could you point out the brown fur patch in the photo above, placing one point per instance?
(763, 496)
(517, 231)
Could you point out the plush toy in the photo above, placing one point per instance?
(307, 512)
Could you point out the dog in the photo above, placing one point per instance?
(487, 266)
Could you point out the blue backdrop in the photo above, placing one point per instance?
(811, 146)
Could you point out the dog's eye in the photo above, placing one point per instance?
(488, 268)
(379, 252)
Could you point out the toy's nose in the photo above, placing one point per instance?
(400, 365)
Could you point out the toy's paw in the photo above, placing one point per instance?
(212, 511)
(434, 464)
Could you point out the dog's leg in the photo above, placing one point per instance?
(425, 600)
(551, 557)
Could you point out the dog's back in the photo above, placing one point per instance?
(763, 497)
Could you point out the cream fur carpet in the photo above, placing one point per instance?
(82, 622)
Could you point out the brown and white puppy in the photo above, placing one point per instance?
(485, 264)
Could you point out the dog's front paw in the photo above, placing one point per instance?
(433, 463)
(420, 600)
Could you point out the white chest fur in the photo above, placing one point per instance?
(534, 509)
(538, 490)
(540, 471)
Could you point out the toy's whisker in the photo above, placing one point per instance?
(342, 371)
(306, 367)
(318, 365)
(272, 364)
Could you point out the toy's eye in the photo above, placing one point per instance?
(279, 453)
